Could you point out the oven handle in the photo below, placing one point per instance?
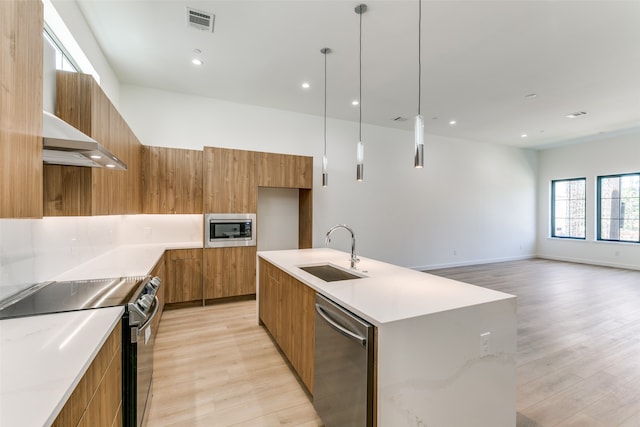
(156, 306)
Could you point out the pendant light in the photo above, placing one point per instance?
(360, 9)
(418, 161)
(325, 174)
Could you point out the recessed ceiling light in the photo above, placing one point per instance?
(576, 114)
(197, 61)
(452, 122)
(306, 85)
(524, 135)
(355, 102)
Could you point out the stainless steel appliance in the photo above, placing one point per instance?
(225, 230)
(136, 294)
(343, 366)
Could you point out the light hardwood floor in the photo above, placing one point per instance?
(578, 354)
(578, 340)
(214, 366)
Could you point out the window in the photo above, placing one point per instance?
(63, 59)
(619, 208)
(568, 208)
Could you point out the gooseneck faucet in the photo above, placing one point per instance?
(327, 240)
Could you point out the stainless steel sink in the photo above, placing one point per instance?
(329, 273)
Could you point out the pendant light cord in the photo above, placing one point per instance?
(419, 53)
(360, 94)
(325, 103)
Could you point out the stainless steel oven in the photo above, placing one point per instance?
(229, 229)
(136, 294)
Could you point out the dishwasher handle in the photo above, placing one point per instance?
(342, 330)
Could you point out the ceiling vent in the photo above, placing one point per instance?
(200, 20)
(399, 119)
(576, 114)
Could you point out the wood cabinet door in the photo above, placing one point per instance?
(184, 275)
(286, 308)
(229, 272)
(229, 181)
(284, 170)
(172, 181)
(21, 166)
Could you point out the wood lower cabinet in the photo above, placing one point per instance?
(97, 399)
(172, 181)
(21, 108)
(286, 308)
(184, 275)
(229, 272)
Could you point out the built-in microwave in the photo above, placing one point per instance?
(225, 230)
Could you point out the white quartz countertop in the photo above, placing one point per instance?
(387, 293)
(123, 261)
(42, 359)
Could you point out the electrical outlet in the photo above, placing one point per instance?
(74, 247)
(455, 252)
(485, 344)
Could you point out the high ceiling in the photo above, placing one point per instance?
(480, 60)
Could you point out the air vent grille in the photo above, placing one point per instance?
(200, 20)
(399, 119)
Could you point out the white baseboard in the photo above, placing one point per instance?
(591, 262)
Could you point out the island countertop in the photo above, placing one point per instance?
(387, 293)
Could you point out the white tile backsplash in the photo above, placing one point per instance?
(35, 250)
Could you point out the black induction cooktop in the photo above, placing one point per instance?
(57, 297)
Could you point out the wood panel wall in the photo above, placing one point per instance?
(21, 23)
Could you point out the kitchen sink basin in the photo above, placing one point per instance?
(329, 273)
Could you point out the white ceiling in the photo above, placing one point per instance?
(479, 60)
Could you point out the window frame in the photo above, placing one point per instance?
(599, 207)
(553, 208)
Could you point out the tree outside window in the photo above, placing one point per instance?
(568, 208)
(619, 208)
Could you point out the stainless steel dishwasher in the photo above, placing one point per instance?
(343, 366)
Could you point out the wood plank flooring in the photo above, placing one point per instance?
(214, 366)
(578, 340)
(578, 354)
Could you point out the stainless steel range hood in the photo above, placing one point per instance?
(62, 144)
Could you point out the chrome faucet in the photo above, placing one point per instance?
(327, 240)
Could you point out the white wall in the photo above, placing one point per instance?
(277, 219)
(471, 203)
(604, 155)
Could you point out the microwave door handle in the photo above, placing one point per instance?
(156, 306)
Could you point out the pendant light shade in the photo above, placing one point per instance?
(360, 9)
(325, 174)
(418, 161)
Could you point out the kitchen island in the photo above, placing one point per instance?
(446, 350)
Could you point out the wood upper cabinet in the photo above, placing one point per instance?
(229, 272)
(284, 170)
(97, 399)
(21, 23)
(172, 181)
(229, 181)
(73, 190)
(286, 308)
(184, 275)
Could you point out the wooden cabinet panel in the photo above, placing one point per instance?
(305, 218)
(229, 181)
(97, 399)
(172, 181)
(229, 272)
(81, 102)
(21, 24)
(284, 170)
(286, 308)
(184, 275)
